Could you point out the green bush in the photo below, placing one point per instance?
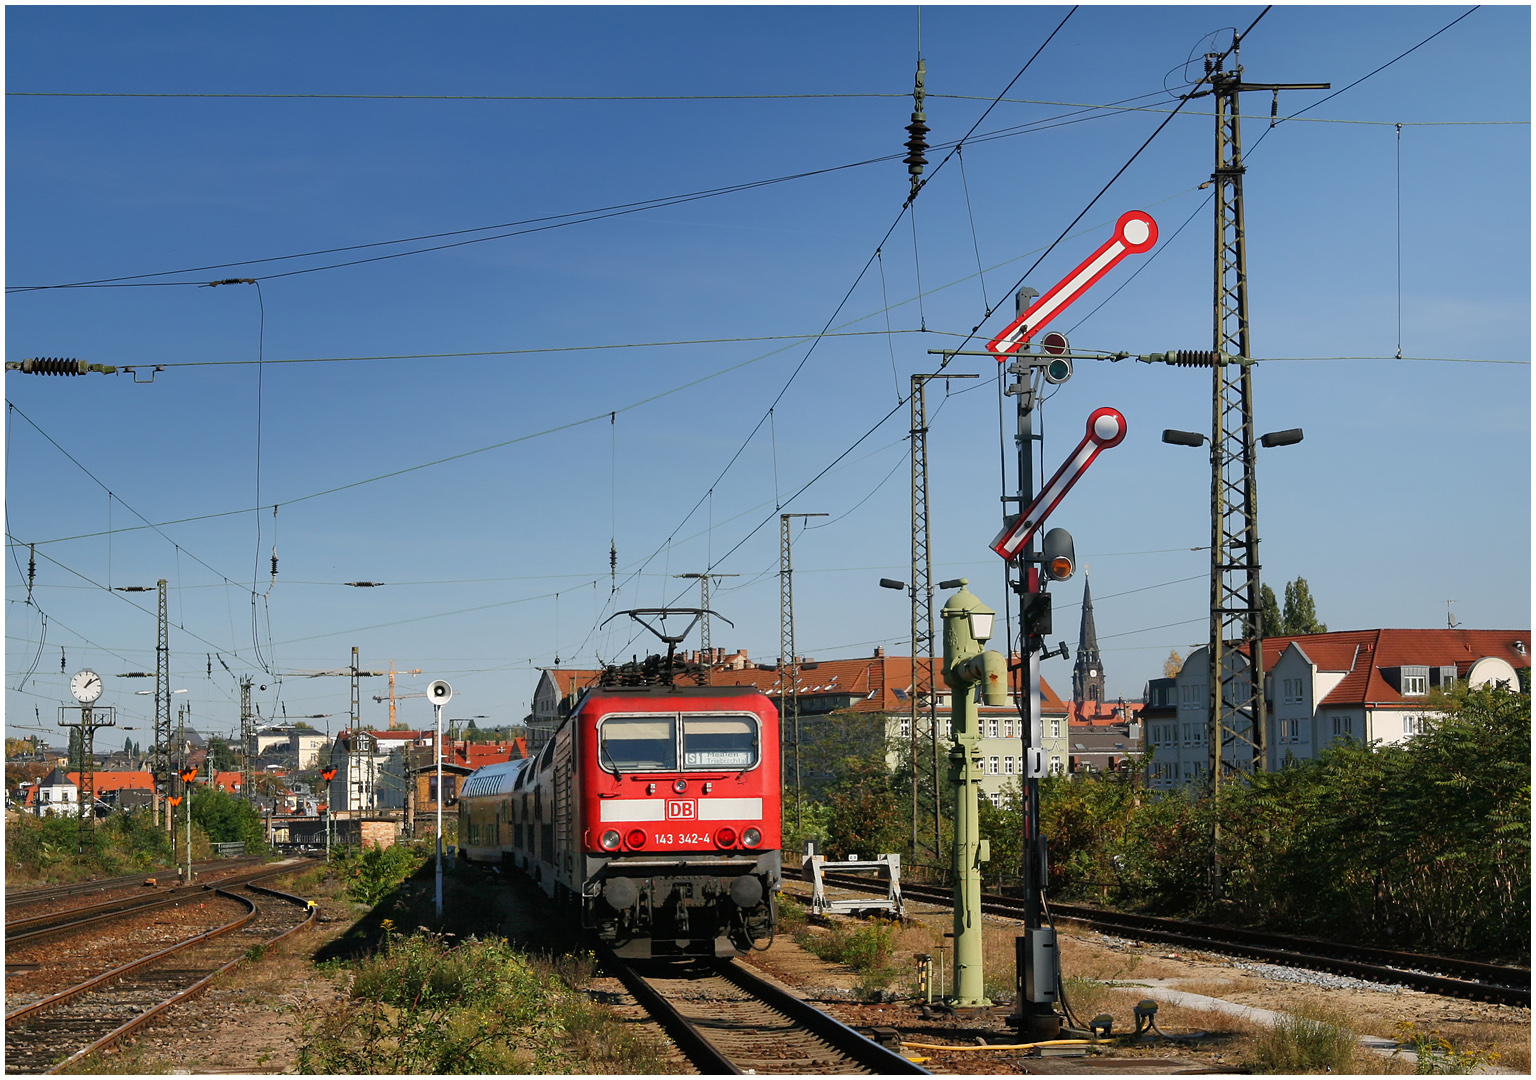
(120, 844)
(423, 1005)
(374, 872)
(226, 819)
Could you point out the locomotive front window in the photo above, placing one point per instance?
(711, 742)
(634, 744)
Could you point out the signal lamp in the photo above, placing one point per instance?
(725, 837)
(189, 775)
(1059, 370)
(1060, 554)
(328, 775)
(751, 838)
(610, 840)
(174, 800)
(636, 838)
(679, 786)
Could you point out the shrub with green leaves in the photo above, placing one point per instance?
(425, 1005)
(374, 872)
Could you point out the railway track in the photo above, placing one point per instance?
(49, 1034)
(1442, 975)
(16, 898)
(725, 1019)
(72, 919)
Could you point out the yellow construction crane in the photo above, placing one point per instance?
(393, 697)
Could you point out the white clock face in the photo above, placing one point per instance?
(86, 686)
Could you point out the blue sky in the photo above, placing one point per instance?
(555, 352)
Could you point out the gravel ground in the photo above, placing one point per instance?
(253, 1023)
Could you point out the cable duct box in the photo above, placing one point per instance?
(1040, 959)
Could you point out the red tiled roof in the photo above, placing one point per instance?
(102, 782)
(1103, 713)
(875, 680)
(1363, 653)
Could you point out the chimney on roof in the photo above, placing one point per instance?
(879, 652)
(1520, 647)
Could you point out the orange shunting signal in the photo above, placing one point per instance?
(189, 775)
(174, 800)
(328, 775)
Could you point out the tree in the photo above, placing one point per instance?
(1300, 615)
(1173, 665)
(76, 750)
(1271, 624)
(225, 818)
(221, 757)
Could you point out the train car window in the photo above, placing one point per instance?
(719, 742)
(635, 743)
(549, 752)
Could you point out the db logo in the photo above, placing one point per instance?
(686, 809)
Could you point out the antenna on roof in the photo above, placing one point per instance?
(1450, 616)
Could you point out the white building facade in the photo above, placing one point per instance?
(1365, 686)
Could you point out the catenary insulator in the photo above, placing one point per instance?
(52, 365)
(1193, 358)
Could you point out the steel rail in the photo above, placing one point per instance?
(62, 996)
(63, 921)
(699, 1051)
(710, 1059)
(54, 892)
(197, 987)
(1479, 981)
(866, 1052)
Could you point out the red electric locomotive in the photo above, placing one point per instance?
(654, 810)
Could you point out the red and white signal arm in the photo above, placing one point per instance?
(1106, 428)
(1135, 232)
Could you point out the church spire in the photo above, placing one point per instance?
(1088, 673)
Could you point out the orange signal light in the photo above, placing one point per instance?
(174, 800)
(189, 775)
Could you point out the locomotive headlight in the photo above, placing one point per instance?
(610, 840)
(679, 786)
(725, 837)
(636, 838)
(751, 838)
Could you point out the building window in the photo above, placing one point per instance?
(1199, 734)
(906, 727)
(991, 729)
(1193, 695)
(1008, 765)
(1292, 689)
(992, 766)
(996, 798)
(1186, 734)
(1055, 729)
(1056, 769)
(1415, 685)
(1344, 727)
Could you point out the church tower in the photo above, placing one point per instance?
(1088, 673)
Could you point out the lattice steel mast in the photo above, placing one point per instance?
(789, 663)
(1237, 725)
(927, 806)
(162, 766)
